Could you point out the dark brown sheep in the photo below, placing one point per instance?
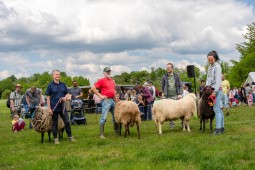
(205, 111)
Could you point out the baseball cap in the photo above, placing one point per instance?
(107, 69)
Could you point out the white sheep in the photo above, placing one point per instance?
(42, 122)
(168, 109)
(127, 113)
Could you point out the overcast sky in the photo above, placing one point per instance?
(81, 37)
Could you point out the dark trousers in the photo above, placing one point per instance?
(55, 123)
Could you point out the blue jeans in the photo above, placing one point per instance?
(147, 111)
(107, 105)
(32, 106)
(218, 111)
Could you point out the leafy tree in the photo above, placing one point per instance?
(240, 70)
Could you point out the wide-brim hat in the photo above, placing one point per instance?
(145, 84)
(18, 85)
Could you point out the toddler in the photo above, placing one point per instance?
(17, 123)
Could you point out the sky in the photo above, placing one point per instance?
(82, 37)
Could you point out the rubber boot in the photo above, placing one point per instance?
(116, 128)
(102, 131)
(222, 130)
(217, 131)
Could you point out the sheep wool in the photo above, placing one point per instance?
(168, 109)
(127, 113)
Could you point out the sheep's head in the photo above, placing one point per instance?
(207, 90)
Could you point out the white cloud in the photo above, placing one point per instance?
(4, 74)
(82, 37)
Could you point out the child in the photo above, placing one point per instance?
(17, 123)
(185, 91)
(250, 99)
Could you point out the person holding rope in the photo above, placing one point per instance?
(214, 79)
(56, 95)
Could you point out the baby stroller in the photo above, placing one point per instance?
(77, 113)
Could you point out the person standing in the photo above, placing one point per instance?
(33, 99)
(15, 100)
(214, 80)
(201, 88)
(171, 85)
(225, 94)
(56, 96)
(76, 93)
(152, 90)
(146, 94)
(108, 96)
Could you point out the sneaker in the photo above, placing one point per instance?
(71, 139)
(56, 142)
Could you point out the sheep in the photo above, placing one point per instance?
(42, 122)
(205, 111)
(127, 113)
(168, 109)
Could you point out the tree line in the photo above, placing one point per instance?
(236, 73)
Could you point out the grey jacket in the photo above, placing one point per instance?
(214, 77)
(178, 84)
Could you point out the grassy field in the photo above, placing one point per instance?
(174, 149)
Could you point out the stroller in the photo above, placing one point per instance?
(77, 113)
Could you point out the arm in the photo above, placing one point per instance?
(163, 85)
(12, 102)
(93, 88)
(27, 100)
(49, 106)
(217, 79)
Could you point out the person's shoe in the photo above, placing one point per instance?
(102, 131)
(222, 130)
(217, 132)
(71, 139)
(56, 142)
(227, 114)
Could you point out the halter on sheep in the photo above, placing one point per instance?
(168, 109)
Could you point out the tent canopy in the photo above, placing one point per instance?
(250, 78)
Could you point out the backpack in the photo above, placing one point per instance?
(8, 102)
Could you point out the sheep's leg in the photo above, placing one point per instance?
(203, 125)
(211, 120)
(183, 124)
(120, 129)
(49, 136)
(126, 130)
(160, 128)
(156, 125)
(42, 137)
(200, 124)
(187, 123)
(138, 130)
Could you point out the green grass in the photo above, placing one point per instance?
(174, 149)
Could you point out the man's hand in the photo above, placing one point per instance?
(103, 97)
(179, 96)
(50, 112)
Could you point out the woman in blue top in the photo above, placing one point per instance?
(214, 80)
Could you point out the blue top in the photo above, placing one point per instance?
(214, 76)
(56, 91)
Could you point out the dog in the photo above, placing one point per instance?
(205, 108)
